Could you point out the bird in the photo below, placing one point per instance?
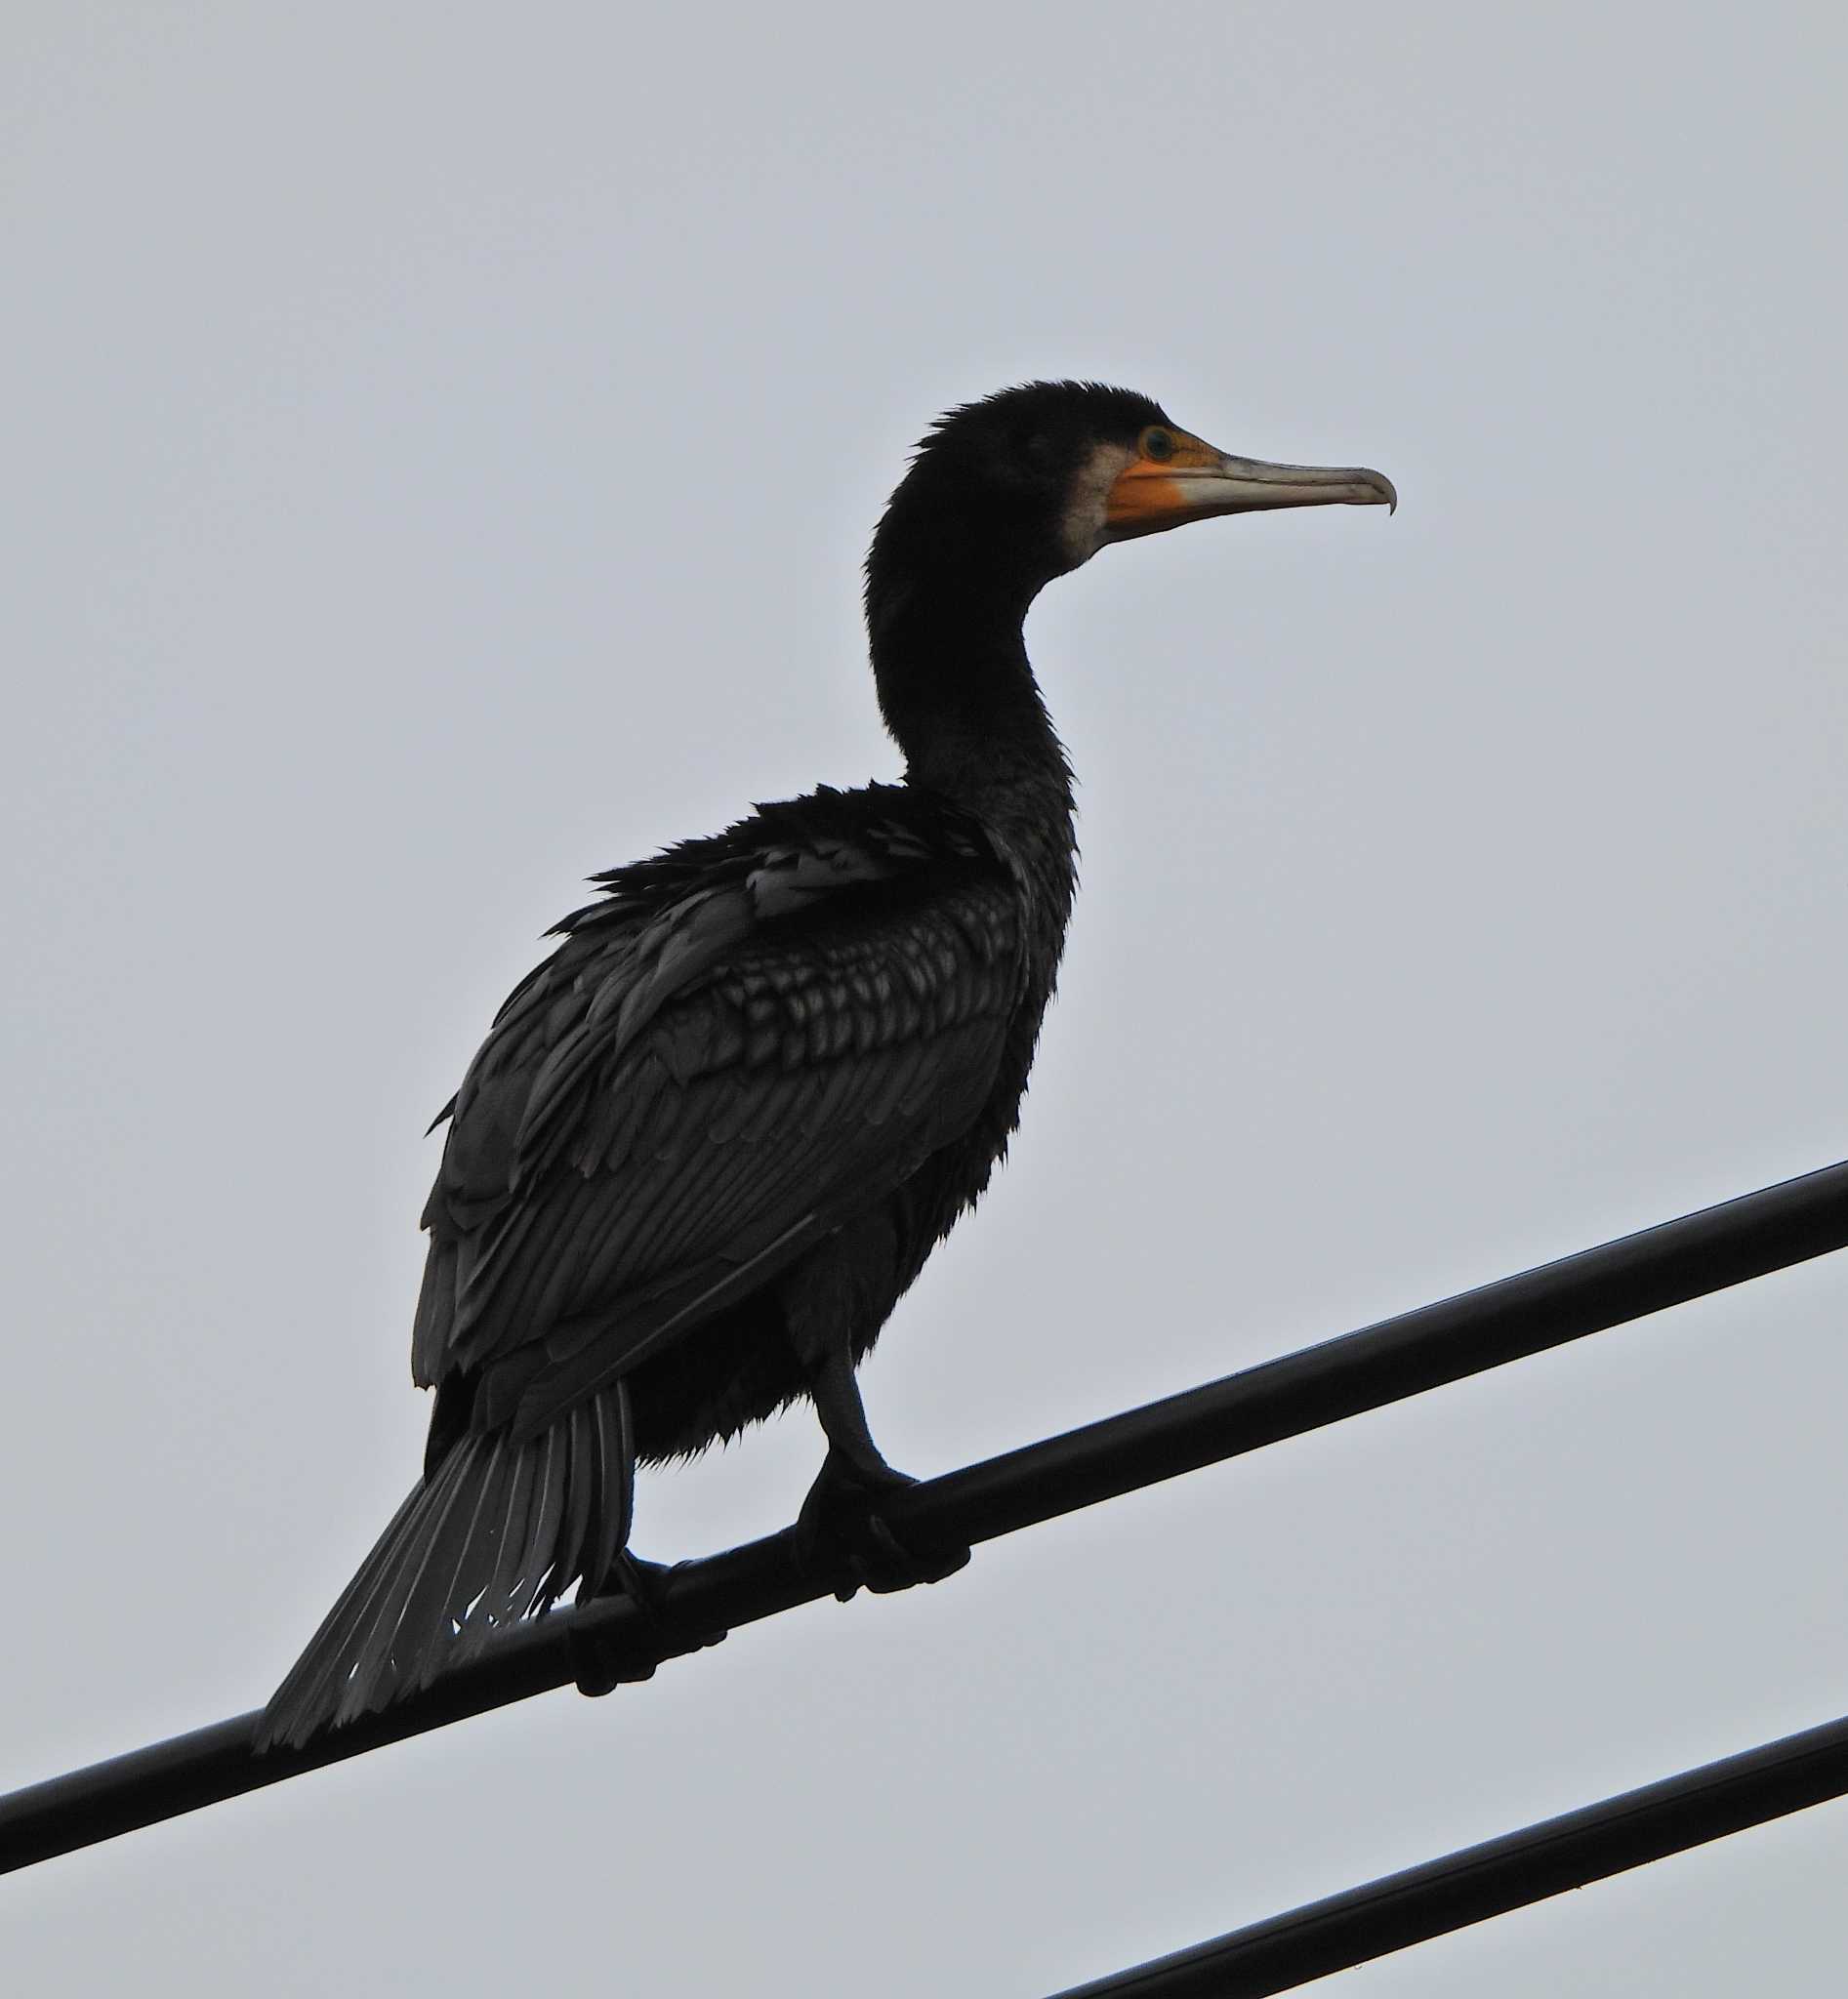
(710, 1142)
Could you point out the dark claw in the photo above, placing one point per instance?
(601, 1661)
(843, 1538)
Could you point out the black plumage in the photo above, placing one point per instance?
(710, 1142)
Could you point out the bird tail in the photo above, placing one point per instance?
(496, 1532)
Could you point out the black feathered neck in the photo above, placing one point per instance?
(972, 535)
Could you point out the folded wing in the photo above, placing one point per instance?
(699, 1086)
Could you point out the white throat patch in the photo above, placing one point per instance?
(1080, 531)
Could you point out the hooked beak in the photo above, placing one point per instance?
(1148, 497)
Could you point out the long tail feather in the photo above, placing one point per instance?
(497, 1532)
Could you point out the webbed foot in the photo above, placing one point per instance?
(601, 1661)
(842, 1538)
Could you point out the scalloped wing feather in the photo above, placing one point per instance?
(753, 1040)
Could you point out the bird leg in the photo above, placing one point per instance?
(603, 1661)
(600, 1663)
(841, 1532)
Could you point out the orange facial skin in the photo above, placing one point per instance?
(1145, 497)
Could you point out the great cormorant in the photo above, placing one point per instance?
(708, 1143)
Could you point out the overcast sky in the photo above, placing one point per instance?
(440, 442)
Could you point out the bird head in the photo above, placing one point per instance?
(1028, 483)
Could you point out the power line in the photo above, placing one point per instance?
(1404, 1356)
(1501, 1874)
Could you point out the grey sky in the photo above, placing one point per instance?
(440, 443)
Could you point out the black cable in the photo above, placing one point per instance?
(1501, 1874)
(1399, 1357)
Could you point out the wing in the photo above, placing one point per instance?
(687, 1096)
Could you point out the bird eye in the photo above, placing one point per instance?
(1158, 444)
